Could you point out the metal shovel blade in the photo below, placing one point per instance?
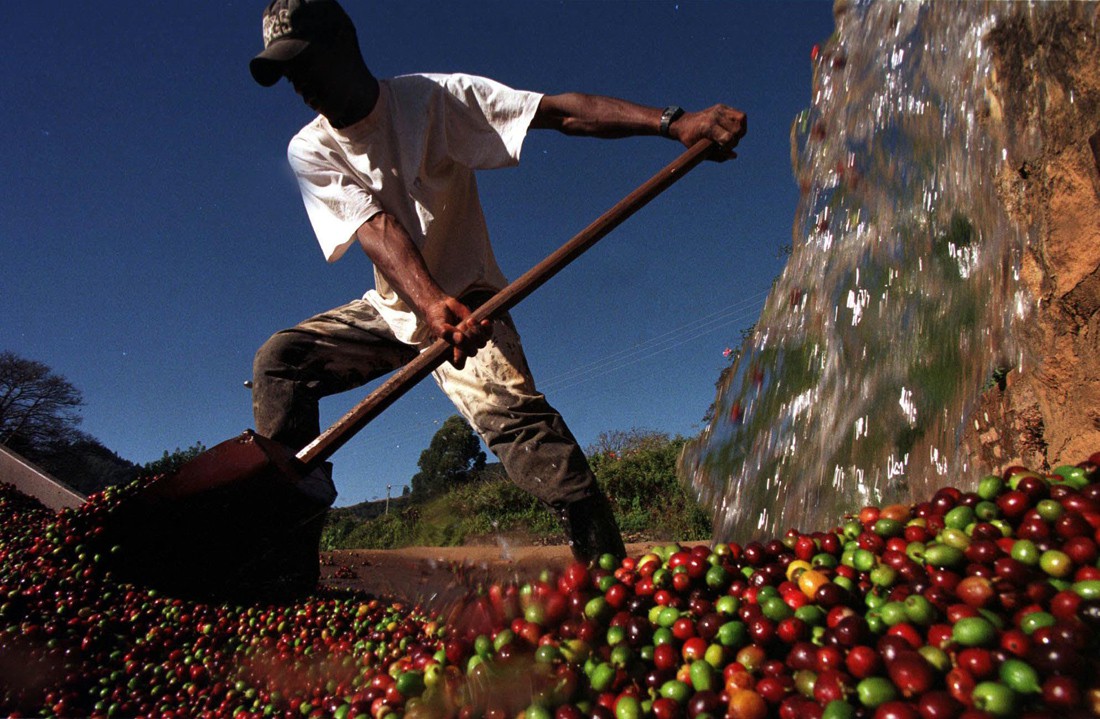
(227, 523)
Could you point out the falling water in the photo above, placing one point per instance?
(899, 300)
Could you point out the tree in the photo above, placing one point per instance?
(40, 418)
(37, 407)
(171, 461)
(452, 458)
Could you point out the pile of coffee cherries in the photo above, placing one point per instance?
(982, 603)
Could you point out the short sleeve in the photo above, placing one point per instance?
(487, 121)
(335, 204)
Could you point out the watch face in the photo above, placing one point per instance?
(671, 113)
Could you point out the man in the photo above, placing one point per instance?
(389, 165)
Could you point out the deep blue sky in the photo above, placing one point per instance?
(153, 239)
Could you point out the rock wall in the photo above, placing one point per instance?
(1046, 411)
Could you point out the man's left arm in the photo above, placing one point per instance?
(599, 116)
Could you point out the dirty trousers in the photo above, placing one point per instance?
(349, 346)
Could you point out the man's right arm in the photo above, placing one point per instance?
(599, 116)
(397, 257)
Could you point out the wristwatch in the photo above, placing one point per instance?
(669, 116)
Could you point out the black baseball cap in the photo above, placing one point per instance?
(289, 27)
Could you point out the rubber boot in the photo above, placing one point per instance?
(301, 566)
(591, 528)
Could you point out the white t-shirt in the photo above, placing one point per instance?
(414, 157)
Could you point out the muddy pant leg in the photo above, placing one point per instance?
(496, 394)
(329, 353)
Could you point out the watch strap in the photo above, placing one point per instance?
(669, 116)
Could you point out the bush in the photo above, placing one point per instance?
(639, 477)
(389, 531)
(646, 494)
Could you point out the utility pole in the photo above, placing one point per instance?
(388, 486)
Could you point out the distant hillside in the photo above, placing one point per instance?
(371, 509)
(376, 508)
(639, 478)
(82, 463)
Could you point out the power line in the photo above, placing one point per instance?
(739, 311)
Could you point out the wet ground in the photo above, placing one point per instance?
(433, 574)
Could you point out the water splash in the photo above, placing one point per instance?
(502, 542)
(899, 299)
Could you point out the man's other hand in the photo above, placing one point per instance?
(449, 319)
(723, 125)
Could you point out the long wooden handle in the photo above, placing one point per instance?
(439, 352)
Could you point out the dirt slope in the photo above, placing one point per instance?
(1048, 80)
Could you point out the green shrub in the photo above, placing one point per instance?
(639, 478)
(390, 531)
(647, 496)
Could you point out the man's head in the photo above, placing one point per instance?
(292, 28)
(313, 44)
